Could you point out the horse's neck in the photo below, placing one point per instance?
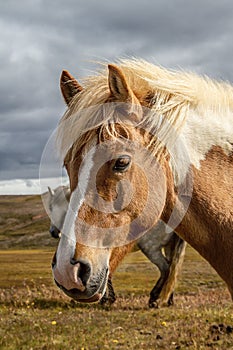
(208, 222)
(211, 208)
(210, 190)
(208, 137)
(204, 129)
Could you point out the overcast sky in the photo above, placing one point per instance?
(39, 38)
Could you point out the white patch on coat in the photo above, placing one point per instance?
(202, 131)
(66, 247)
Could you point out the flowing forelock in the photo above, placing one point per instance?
(167, 94)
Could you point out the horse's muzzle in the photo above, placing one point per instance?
(80, 296)
(92, 292)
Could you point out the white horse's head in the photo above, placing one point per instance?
(56, 205)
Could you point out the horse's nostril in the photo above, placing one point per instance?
(84, 270)
(54, 231)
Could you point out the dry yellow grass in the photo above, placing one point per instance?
(34, 314)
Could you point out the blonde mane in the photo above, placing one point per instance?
(186, 121)
(169, 95)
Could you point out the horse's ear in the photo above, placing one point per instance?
(69, 86)
(121, 92)
(68, 194)
(117, 84)
(51, 192)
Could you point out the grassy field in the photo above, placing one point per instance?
(34, 314)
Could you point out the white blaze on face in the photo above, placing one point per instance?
(66, 247)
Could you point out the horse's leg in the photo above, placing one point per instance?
(163, 267)
(109, 295)
(117, 256)
(104, 299)
(174, 251)
(169, 265)
(168, 252)
(154, 254)
(171, 299)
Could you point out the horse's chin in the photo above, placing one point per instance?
(87, 296)
(93, 299)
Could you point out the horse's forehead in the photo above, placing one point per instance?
(92, 142)
(60, 197)
(108, 141)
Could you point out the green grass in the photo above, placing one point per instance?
(36, 315)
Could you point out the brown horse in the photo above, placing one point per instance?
(165, 250)
(140, 144)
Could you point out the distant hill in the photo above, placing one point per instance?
(24, 223)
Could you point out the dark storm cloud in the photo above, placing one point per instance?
(39, 38)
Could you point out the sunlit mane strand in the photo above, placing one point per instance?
(169, 95)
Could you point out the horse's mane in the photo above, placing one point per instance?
(169, 95)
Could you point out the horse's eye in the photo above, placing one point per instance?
(122, 163)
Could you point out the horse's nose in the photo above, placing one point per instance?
(84, 270)
(54, 231)
(74, 274)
